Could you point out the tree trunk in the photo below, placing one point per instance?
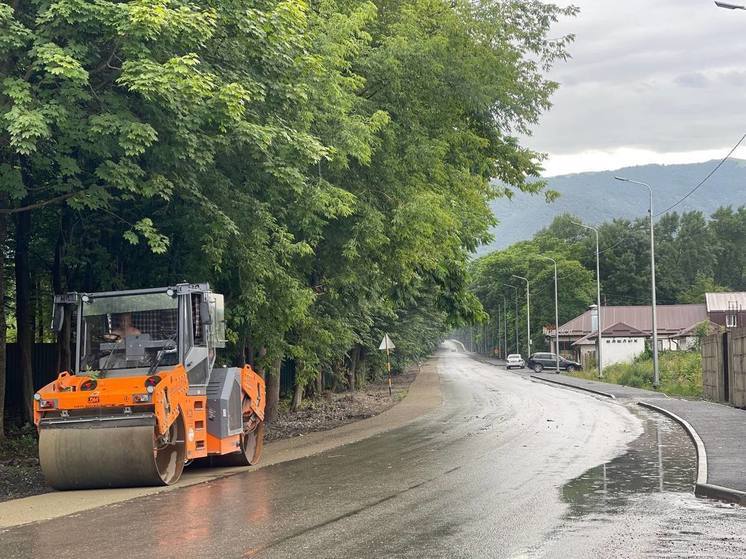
(361, 371)
(38, 313)
(3, 324)
(24, 312)
(249, 351)
(354, 358)
(273, 392)
(297, 397)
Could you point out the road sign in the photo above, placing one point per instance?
(386, 343)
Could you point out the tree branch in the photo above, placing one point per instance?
(60, 198)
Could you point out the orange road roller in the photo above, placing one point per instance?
(145, 396)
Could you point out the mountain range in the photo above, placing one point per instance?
(596, 197)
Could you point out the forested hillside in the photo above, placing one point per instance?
(597, 197)
(326, 164)
(695, 254)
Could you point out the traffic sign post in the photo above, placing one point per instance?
(387, 345)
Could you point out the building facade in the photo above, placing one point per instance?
(626, 331)
(727, 309)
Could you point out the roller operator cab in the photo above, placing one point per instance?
(144, 396)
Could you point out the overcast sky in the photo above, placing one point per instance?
(650, 81)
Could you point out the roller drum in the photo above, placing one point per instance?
(116, 453)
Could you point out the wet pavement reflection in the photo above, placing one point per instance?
(661, 460)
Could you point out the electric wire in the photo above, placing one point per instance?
(704, 180)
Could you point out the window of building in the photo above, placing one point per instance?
(731, 320)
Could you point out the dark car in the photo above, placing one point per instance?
(540, 361)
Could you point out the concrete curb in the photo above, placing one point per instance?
(720, 493)
(702, 488)
(696, 439)
(572, 386)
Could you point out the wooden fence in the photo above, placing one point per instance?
(724, 367)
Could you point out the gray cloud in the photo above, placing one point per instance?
(666, 76)
(695, 79)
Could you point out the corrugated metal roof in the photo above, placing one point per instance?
(725, 301)
(672, 319)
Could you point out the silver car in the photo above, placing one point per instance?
(514, 360)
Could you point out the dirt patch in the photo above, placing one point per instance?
(333, 410)
(20, 474)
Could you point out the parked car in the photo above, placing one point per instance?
(514, 360)
(540, 361)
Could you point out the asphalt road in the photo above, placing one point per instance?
(505, 468)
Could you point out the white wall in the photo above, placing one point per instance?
(677, 344)
(621, 350)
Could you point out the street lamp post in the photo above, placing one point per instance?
(556, 310)
(499, 335)
(600, 327)
(517, 348)
(505, 323)
(528, 313)
(656, 373)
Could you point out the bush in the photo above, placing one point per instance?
(680, 371)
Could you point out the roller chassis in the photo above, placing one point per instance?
(140, 429)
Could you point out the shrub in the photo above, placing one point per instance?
(680, 372)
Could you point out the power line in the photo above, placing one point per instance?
(704, 180)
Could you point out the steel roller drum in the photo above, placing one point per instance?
(109, 452)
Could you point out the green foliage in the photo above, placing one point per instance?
(327, 165)
(493, 274)
(694, 255)
(680, 373)
(695, 294)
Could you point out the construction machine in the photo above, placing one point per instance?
(144, 396)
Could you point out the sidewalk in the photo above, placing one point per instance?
(717, 430)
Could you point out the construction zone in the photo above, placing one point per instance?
(145, 396)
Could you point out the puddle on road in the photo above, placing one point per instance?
(662, 459)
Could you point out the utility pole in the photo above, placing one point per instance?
(656, 373)
(499, 337)
(505, 323)
(556, 311)
(528, 313)
(600, 327)
(517, 341)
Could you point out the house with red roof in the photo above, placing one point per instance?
(626, 330)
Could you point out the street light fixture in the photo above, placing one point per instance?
(517, 348)
(528, 313)
(729, 6)
(600, 326)
(656, 374)
(556, 310)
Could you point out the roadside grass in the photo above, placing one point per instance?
(680, 371)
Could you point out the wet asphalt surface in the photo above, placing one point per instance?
(505, 468)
